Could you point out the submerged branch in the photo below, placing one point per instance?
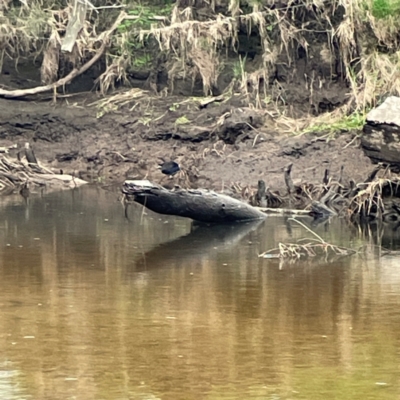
(284, 211)
(314, 247)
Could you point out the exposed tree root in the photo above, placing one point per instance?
(104, 37)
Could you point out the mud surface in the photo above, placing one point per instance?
(219, 146)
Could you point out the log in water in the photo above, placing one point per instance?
(199, 205)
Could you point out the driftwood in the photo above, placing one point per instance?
(17, 176)
(204, 103)
(199, 205)
(264, 198)
(320, 201)
(375, 198)
(307, 247)
(288, 179)
(261, 195)
(321, 210)
(284, 211)
(30, 154)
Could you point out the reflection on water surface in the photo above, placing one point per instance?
(93, 306)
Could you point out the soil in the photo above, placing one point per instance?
(222, 146)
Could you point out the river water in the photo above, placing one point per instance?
(96, 306)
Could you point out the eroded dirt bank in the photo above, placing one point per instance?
(219, 146)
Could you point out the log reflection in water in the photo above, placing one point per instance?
(200, 241)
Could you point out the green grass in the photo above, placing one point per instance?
(138, 52)
(348, 123)
(239, 67)
(142, 61)
(144, 14)
(183, 120)
(384, 8)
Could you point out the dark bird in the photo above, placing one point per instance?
(169, 168)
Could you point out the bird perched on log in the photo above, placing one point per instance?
(169, 168)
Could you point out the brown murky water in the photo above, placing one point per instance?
(93, 306)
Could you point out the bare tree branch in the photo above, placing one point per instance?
(104, 37)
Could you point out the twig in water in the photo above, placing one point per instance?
(312, 248)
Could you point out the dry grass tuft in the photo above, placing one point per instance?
(354, 39)
(195, 45)
(368, 47)
(111, 103)
(377, 198)
(309, 247)
(51, 58)
(34, 29)
(25, 30)
(362, 39)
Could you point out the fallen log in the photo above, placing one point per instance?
(199, 205)
(17, 176)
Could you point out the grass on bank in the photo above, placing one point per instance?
(362, 35)
(382, 9)
(331, 124)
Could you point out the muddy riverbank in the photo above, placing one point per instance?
(221, 145)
